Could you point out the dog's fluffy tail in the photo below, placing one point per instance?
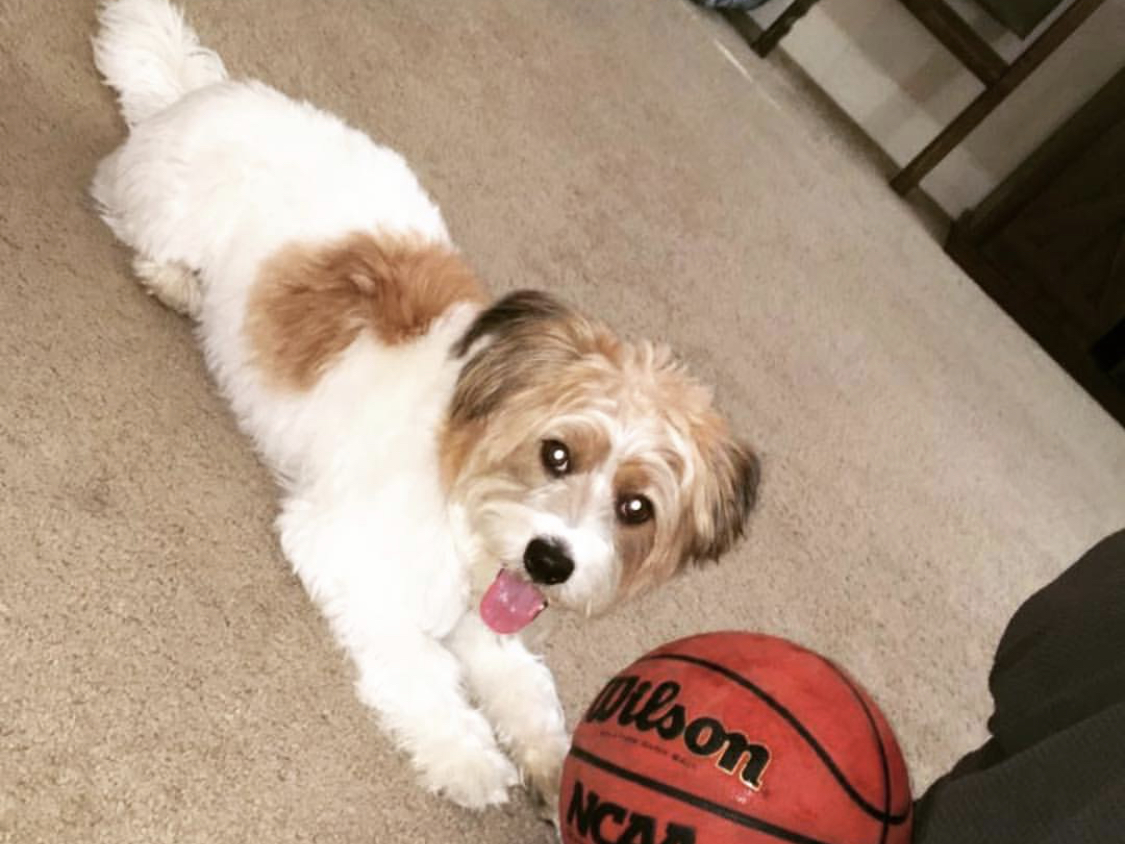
(150, 55)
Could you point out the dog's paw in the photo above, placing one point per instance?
(542, 773)
(474, 778)
(174, 284)
(546, 804)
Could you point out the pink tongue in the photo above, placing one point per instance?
(510, 604)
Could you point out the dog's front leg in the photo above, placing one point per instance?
(517, 693)
(415, 685)
(406, 674)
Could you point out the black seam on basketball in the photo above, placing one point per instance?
(791, 719)
(878, 743)
(693, 800)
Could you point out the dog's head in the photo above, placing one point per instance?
(586, 469)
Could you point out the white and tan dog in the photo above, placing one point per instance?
(448, 467)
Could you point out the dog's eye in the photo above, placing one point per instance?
(633, 509)
(555, 457)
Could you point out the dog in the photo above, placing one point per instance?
(449, 465)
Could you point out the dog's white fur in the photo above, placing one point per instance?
(215, 178)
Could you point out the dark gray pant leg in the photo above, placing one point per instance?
(1054, 770)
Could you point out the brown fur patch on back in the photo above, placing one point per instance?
(310, 303)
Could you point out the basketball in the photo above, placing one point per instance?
(734, 738)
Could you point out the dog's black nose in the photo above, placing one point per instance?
(547, 561)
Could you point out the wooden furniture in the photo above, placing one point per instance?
(1020, 16)
(762, 41)
(1049, 246)
(999, 77)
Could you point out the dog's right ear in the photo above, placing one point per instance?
(728, 486)
(509, 345)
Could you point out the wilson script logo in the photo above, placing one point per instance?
(646, 708)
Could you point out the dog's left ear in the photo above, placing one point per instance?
(729, 491)
(510, 347)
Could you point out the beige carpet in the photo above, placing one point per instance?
(163, 678)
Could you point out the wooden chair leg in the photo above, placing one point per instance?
(780, 27)
(762, 41)
(971, 117)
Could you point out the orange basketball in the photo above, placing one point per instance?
(734, 738)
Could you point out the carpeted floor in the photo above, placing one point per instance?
(163, 678)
